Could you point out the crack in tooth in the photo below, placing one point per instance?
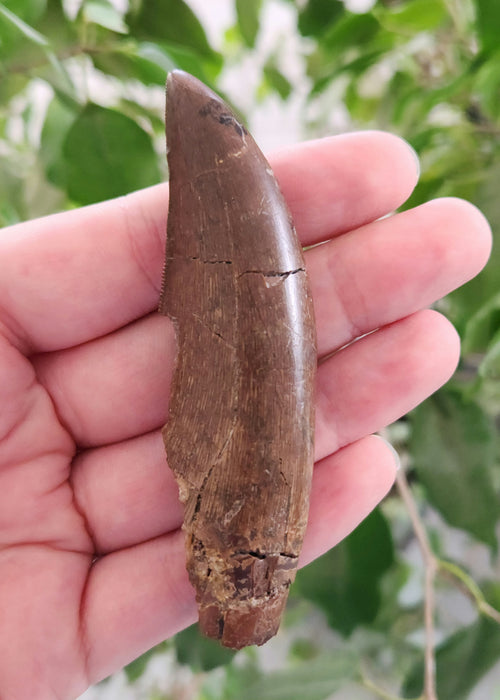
(272, 273)
(263, 555)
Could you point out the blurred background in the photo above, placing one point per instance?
(81, 120)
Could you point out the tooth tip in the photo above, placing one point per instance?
(176, 75)
(180, 79)
(186, 95)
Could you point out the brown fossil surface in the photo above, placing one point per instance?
(239, 434)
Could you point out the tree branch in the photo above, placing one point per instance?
(431, 567)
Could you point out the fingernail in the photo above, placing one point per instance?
(394, 453)
(414, 154)
(415, 157)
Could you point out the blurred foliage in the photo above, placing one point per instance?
(81, 120)
(347, 593)
(454, 449)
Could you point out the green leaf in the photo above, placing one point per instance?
(490, 366)
(58, 120)
(469, 298)
(189, 60)
(28, 10)
(351, 31)
(488, 23)
(345, 582)
(247, 13)
(12, 193)
(315, 679)
(318, 15)
(11, 84)
(9, 18)
(149, 116)
(482, 326)
(352, 44)
(237, 677)
(170, 21)
(461, 661)
(136, 668)
(104, 14)
(37, 52)
(453, 448)
(276, 80)
(415, 16)
(361, 109)
(303, 650)
(200, 652)
(107, 155)
(57, 27)
(486, 77)
(151, 57)
(491, 591)
(8, 214)
(146, 61)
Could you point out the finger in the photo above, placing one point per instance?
(115, 387)
(391, 268)
(35, 453)
(107, 258)
(134, 599)
(361, 281)
(382, 376)
(128, 494)
(337, 184)
(137, 597)
(40, 589)
(17, 382)
(339, 480)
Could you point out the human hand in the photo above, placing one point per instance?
(91, 553)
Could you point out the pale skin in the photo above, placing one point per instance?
(91, 552)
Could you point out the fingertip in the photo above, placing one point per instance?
(347, 485)
(402, 160)
(443, 342)
(393, 165)
(338, 183)
(471, 224)
(392, 451)
(416, 160)
(386, 463)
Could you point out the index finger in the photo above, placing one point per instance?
(75, 276)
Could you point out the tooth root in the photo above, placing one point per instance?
(239, 434)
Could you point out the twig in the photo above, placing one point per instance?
(64, 55)
(470, 587)
(431, 567)
(377, 690)
(489, 611)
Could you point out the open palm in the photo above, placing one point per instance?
(91, 554)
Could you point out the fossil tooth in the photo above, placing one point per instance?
(239, 434)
